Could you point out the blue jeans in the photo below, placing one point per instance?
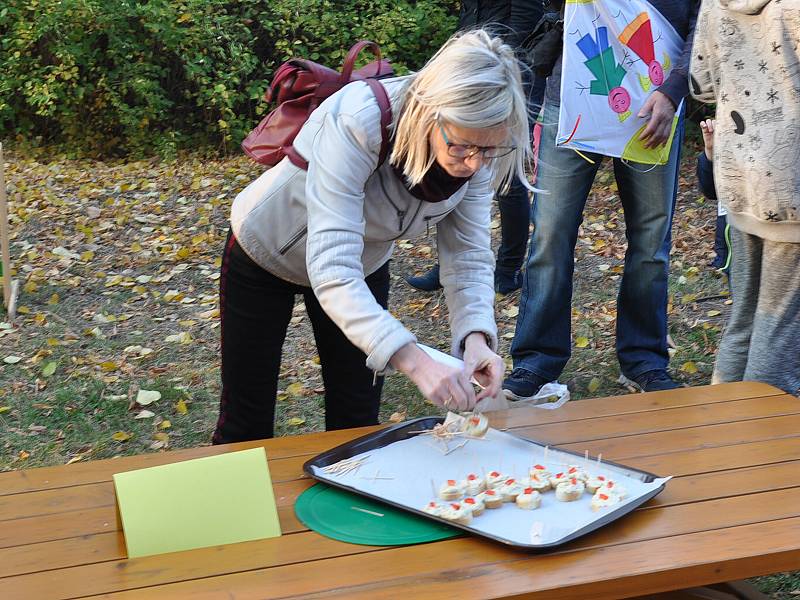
(542, 339)
(515, 205)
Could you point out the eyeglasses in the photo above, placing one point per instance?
(468, 151)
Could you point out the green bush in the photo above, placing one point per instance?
(116, 77)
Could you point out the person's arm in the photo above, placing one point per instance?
(467, 263)
(343, 156)
(467, 275)
(702, 69)
(676, 86)
(660, 106)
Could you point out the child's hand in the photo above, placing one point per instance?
(707, 127)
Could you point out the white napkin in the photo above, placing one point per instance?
(500, 402)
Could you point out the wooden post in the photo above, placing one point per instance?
(10, 288)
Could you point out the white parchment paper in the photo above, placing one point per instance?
(409, 473)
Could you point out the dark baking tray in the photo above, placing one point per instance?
(405, 430)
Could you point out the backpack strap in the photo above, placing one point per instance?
(386, 116)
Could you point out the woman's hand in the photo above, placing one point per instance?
(441, 384)
(483, 365)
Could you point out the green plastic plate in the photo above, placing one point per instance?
(352, 518)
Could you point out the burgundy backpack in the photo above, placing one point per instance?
(299, 86)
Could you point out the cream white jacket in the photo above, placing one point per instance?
(331, 226)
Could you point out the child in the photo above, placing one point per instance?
(705, 177)
(745, 60)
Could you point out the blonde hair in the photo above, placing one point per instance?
(473, 81)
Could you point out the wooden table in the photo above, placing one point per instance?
(732, 511)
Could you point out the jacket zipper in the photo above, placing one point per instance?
(401, 214)
(293, 241)
(428, 221)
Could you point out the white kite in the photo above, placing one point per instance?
(616, 53)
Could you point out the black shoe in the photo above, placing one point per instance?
(522, 384)
(429, 282)
(505, 282)
(650, 381)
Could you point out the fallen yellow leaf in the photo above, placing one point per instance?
(4, 409)
(121, 436)
(165, 424)
(296, 421)
(713, 313)
(689, 367)
(181, 407)
(581, 342)
(594, 385)
(295, 389)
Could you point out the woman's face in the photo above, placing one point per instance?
(482, 138)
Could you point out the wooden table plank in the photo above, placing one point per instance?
(465, 569)
(308, 445)
(658, 564)
(83, 550)
(633, 403)
(603, 428)
(649, 444)
(15, 482)
(677, 432)
(305, 547)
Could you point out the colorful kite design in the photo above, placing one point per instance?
(638, 36)
(608, 73)
(609, 61)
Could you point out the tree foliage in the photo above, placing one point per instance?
(116, 77)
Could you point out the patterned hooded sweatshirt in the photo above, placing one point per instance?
(746, 58)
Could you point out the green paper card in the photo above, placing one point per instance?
(197, 503)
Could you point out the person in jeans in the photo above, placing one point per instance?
(541, 345)
(514, 20)
(460, 131)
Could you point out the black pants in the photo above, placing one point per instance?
(255, 309)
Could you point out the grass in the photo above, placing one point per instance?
(132, 306)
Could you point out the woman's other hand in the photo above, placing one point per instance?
(483, 365)
(442, 384)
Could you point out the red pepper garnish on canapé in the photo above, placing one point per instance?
(475, 420)
(494, 473)
(469, 501)
(540, 467)
(559, 475)
(456, 506)
(610, 484)
(574, 481)
(510, 481)
(432, 504)
(528, 491)
(572, 470)
(602, 497)
(490, 493)
(451, 482)
(472, 477)
(601, 478)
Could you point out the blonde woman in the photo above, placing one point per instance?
(459, 132)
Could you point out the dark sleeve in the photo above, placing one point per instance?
(705, 176)
(525, 14)
(676, 87)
